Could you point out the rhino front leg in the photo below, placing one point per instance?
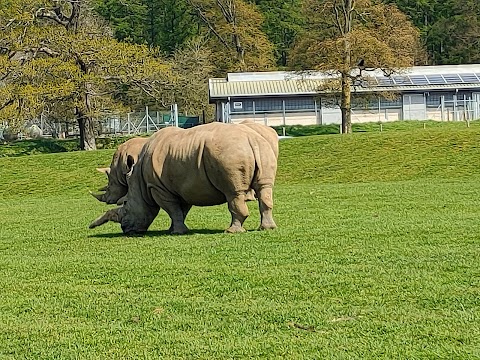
(185, 209)
(265, 202)
(239, 210)
(174, 210)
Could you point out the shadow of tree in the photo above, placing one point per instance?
(39, 146)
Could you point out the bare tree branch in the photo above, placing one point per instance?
(52, 15)
(9, 102)
(207, 22)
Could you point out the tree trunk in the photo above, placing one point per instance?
(240, 53)
(346, 105)
(87, 131)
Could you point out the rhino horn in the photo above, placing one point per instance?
(104, 170)
(99, 197)
(111, 215)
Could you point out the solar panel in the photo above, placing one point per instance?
(452, 78)
(433, 79)
(419, 79)
(385, 81)
(436, 79)
(362, 83)
(402, 80)
(470, 78)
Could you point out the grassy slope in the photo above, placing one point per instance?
(376, 256)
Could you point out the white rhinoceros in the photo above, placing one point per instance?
(116, 173)
(206, 165)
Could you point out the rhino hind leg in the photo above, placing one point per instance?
(239, 210)
(265, 202)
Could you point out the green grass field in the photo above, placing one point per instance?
(377, 256)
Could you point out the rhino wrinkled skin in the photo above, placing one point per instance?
(203, 166)
(117, 186)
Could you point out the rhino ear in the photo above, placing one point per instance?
(130, 163)
(104, 170)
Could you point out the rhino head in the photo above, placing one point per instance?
(122, 163)
(134, 221)
(137, 211)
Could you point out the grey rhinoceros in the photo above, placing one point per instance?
(119, 167)
(122, 162)
(203, 166)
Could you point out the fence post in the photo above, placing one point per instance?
(175, 114)
(146, 118)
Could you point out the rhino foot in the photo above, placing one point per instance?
(178, 230)
(267, 226)
(235, 229)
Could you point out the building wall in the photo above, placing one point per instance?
(277, 119)
(440, 106)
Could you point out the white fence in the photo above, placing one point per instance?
(109, 125)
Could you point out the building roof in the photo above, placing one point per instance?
(284, 83)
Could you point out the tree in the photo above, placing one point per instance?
(166, 24)
(65, 60)
(193, 65)
(282, 23)
(347, 37)
(454, 37)
(449, 28)
(127, 18)
(236, 36)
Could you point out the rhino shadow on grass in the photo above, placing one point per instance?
(206, 165)
(158, 233)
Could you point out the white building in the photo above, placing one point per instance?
(447, 92)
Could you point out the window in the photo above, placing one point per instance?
(371, 103)
(434, 98)
(265, 105)
(299, 104)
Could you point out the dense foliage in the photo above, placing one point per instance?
(449, 28)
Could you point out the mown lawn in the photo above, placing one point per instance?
(376, 256)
